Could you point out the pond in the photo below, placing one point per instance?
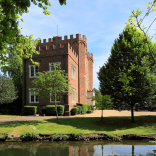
(78, 148)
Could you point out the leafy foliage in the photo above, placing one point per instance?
(74, 110)
(10, 33)
(8, 91)
(149, 60)
(30, 110)
(51, 83)
(97, 92)
(116, 77)
(103, 102)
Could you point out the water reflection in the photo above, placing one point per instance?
(78, 148)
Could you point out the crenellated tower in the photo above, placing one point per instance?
(79, 46)
(72, 55)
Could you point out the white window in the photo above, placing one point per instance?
(51, 66)
(33, 69)
(73, 95)
(33, 98)
(73, 70)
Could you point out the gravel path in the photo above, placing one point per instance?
(96, 113)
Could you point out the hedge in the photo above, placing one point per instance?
(51, 110)
(74, 110)
(30, 110)
(85, 107)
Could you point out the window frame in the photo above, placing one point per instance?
(54, 65)
(34, 66)
(73, 73)
(73, 96)
(30, 93)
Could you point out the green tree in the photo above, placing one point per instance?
(97, 92)
(9, 31)
(103, 103)
(8, 91)
(149, 59)
(14, 68)
(15, 71)
(51, 83)
(118, 66)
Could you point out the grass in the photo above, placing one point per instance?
(144, 125)
(3, 116)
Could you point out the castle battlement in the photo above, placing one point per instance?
(72, 50)
(89, 55)
(59, 39)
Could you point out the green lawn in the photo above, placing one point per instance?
(3, 116)
(144, 125)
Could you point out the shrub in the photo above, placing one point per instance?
(91, 107)
(51, 110)
(74, 111)
(79, 109)
(60, 110)
(84, 106)
(30, 110)
(89, 111)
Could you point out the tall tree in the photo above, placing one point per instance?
(8, 91)
(119, 64)
(51, 83)
(9, 31)
(149, 60)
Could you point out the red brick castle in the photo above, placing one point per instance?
(73, 57)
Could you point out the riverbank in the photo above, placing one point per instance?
(111, 128)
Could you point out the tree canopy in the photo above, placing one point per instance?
(8, 91)
(51, 84)
(129, 45)
(97, 92)
(9, 31)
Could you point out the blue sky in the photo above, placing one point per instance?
(101, 21)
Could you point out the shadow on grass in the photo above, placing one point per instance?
(93, 124)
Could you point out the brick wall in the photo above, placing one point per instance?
(69, 52)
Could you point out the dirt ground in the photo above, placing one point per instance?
(96, 113)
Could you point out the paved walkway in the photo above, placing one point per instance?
(96, 113)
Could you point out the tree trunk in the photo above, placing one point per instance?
(56, 112)
(102, 115)
(132, 114)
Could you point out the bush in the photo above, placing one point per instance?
(30, 110)
(79, 109)
(51, 110)
(84, 106)
(4, 111)
(91, 107)
(60, 110)
(74, 110)
(89, 111)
